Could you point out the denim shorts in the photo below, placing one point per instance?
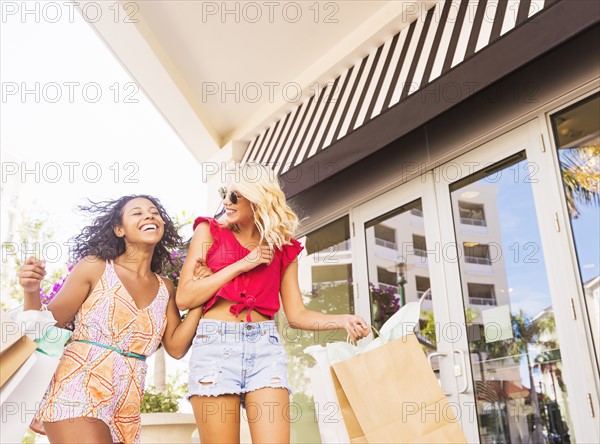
(236, 358)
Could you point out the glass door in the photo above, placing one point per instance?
(524, 383)
(483, 240)
(576, 137)
(397, 242)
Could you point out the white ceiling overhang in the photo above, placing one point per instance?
(223, 71)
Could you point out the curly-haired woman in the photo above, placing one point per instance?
(237, 354)
(123, 309)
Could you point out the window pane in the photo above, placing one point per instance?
(515, 355)
(577, 135)
(398, 269)
(325, 278)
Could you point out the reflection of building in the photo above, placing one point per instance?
(327, 259)
(401, 238)
(483, 256)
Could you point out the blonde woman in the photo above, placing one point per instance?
(237, 355)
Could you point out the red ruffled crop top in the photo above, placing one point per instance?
(257, 289)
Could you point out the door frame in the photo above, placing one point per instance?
(543, 178)
(433, 189)
(564, 237)
(419, 188)
(566, 273)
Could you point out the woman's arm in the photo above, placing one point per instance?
(192, 292)
(72, 294)
(179, 334)
(301, 318)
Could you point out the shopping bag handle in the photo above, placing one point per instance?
(349, 340)
(421, 299)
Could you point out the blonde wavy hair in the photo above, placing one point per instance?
(275, 220)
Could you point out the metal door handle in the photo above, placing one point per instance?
(463, 358)
(430, 358)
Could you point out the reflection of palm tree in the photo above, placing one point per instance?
(527, 332)
(580, 170)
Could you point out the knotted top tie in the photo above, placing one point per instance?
(248, 302)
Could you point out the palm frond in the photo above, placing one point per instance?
(580, 170)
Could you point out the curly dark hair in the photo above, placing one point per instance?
(100, 240)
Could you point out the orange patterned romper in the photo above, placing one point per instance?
(93, 381)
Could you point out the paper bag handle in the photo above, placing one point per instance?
(421, 299)
(373, 330)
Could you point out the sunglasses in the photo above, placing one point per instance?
(233, 196)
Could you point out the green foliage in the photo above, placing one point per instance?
(336, 299)
(32, 235)
(29, 437)
(581, 176)
(428, 327)
(162, 402)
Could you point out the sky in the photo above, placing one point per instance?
(73, 141)
(84, 129)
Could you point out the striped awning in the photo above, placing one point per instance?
(449, 33)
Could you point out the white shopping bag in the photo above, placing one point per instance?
(21, 395)
(331, 423)
(329, 415)
(35, 323)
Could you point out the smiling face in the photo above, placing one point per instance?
(239, 213)
(141, 222)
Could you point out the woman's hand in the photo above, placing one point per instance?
(201, 270)
(31, 275)
(76, 288)
(263, 254)
(356, 327)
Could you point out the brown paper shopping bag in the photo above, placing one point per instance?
(355, 431)
(391, 395)
(15, 348)
(9, 332)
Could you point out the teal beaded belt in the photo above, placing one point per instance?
(121, 352)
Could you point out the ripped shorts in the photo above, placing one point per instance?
(236, 358)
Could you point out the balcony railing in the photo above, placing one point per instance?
(478, 260)
(385, 243)
(472, 221)
(328, 284)
(345, 245)
(482, 301)
(420, 252)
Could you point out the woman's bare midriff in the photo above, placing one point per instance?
(220, 312)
